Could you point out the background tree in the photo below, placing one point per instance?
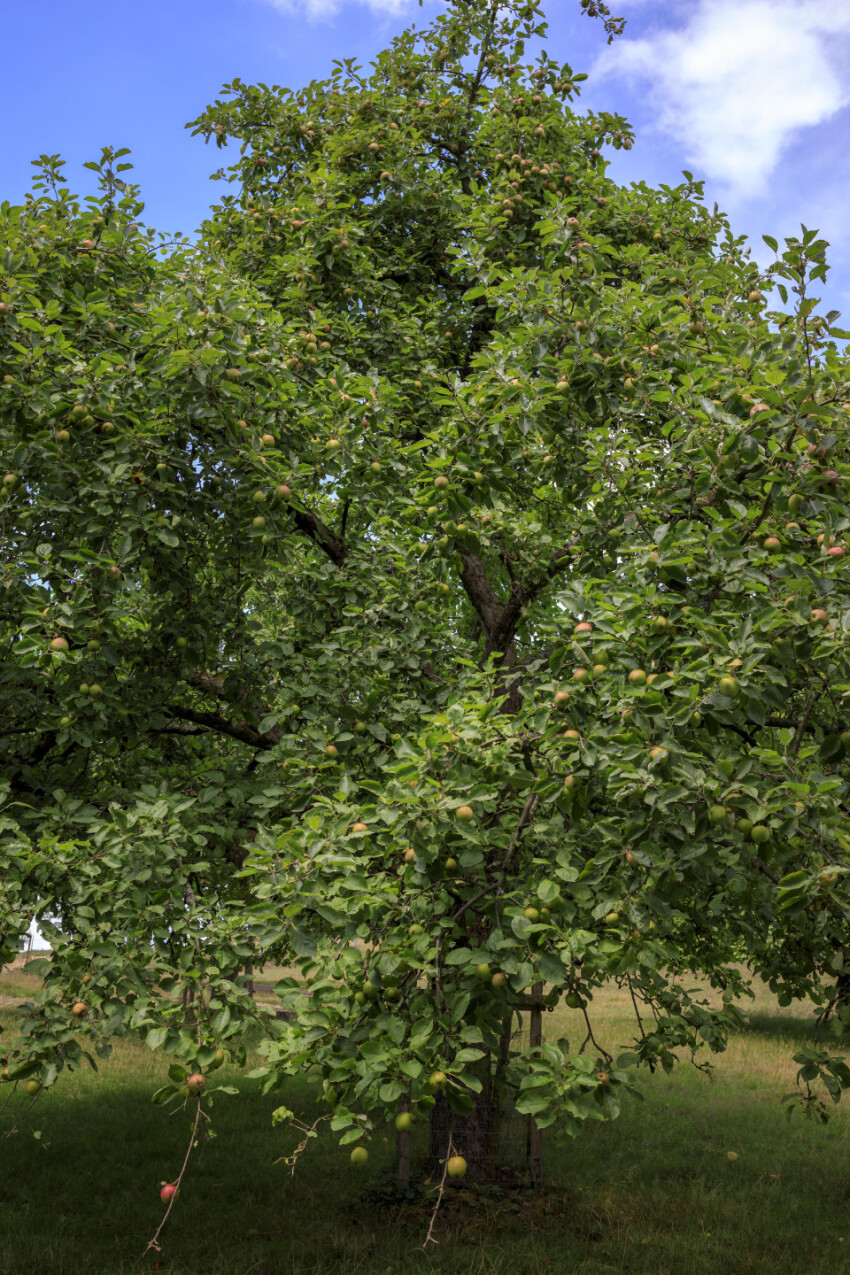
(446, 554)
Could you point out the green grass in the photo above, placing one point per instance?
(654, 1193)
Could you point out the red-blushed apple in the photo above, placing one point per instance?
(499, 980)
(581, 675)
(331, 750)
(410, 856)
(583, 627)
(562, 699)
(771, 543)
(169, 1192)
(819, 616)
(465, 814)
(79, 1009)
(59, 644)
(359, 826)
(195, 1083)
(441, 482)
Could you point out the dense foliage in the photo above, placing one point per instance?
(446, 553)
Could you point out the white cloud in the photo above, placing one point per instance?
(739, 79)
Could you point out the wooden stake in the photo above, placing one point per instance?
(535, 1139)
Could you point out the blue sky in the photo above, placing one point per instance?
(752, 95)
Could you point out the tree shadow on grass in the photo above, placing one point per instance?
(782, 1027)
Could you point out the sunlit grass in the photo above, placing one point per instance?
(704, 1177)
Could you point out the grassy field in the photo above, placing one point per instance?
(701, 1178)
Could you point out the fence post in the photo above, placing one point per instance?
(535, 1136)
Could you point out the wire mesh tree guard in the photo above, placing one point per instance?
(497, 1143)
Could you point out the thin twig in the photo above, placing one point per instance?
(154, 1243)
(592, 1039)
(527, 813)
(429, 1238)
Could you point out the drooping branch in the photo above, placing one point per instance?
(222, 726)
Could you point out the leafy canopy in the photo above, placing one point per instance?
(445, 553)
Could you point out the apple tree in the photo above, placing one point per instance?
(434, 580)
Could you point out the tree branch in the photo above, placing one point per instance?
(321, 535)
(236, 730)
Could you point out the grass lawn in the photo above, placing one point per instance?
(701, 1178)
